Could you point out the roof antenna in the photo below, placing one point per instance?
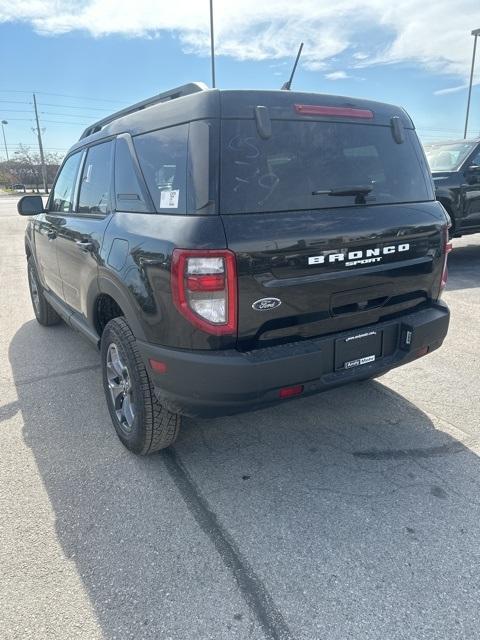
(287, 85)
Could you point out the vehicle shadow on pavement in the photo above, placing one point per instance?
(464, 264)
(356, 513)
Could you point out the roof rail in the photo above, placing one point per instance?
(171, 94)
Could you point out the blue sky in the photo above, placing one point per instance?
(87, 58)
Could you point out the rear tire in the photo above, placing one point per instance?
(44, 312)
(141, 422)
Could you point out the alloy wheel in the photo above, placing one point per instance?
(120, 387)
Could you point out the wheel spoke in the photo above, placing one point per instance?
(112, 375)
(128, 410)
(117, 364)
(115, 389)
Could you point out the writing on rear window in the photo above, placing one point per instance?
(302, 164)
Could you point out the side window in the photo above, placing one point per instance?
(62, 196)
(128, 192)
(475, 159)
(95, 183)
(163, 159)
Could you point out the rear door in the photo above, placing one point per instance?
(80, 234)
(471, 192)
(333, 223)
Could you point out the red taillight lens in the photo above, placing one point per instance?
(344, 112)
(204, 289)
(206, 283)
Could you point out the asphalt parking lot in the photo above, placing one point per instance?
(353, 514)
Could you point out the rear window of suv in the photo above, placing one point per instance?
(300, 158)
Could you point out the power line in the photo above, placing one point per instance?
(68, 115)
(73, 106)
(50, 104)
(61, 106)
(17, 146)
(63, 95)
(432, 129)
(74, 124)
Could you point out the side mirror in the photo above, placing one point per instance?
(30, 205)
(472, 174)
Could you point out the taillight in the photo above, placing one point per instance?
(447, 248)
(204, 288)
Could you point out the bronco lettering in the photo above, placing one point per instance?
(359, 256)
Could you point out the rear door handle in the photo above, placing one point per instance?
(84, 245)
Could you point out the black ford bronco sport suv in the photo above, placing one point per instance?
(227, 250)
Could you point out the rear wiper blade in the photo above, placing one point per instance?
(359, 190)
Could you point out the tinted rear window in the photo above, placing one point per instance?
(281, 172)
(163, 159)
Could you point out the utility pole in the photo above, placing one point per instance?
(475, 34)
(40, 146)
(4, 138)
(212, 45)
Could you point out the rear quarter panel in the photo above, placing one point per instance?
(135, 271)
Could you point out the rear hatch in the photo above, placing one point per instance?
(330, 212)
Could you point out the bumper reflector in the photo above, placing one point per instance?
(421, 352)
(289, 392)
(157, 366)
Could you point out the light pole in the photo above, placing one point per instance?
(4, 139)
(475, 34)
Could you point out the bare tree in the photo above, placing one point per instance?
(25, 168)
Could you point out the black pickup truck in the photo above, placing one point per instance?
(227, 250)
(455, 168)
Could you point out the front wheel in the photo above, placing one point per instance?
(141, 422)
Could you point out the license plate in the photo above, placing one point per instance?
(358, 349)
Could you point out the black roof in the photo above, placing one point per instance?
(202, 103)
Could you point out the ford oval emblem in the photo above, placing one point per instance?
(265, 304)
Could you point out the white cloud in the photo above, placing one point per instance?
(442, 92)
(337, 75)
(435, 35)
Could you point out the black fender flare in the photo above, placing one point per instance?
(109, 285)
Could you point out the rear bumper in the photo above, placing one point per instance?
(207, 384)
